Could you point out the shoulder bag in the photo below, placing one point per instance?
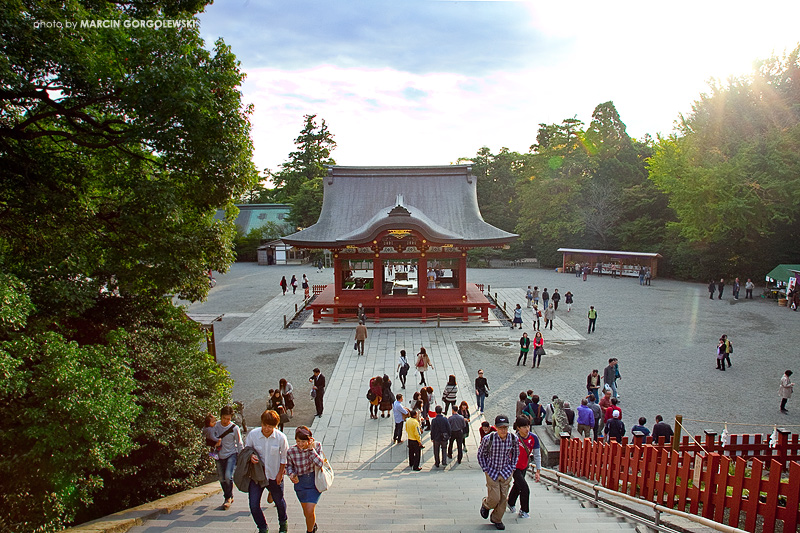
(323, 475)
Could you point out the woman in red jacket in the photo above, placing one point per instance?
(538, 348)
(375, 394)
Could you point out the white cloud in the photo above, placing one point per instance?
(652, 60)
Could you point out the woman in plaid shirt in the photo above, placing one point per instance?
(301, 459)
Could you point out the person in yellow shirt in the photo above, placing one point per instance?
(414, 440)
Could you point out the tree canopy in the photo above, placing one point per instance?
(578, 186)
(720, 197)
(732, 172)
(118, 144)
(299, 182)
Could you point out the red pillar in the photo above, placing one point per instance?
(377, 289)
(338, 280)
(422, 283)
(462, 284)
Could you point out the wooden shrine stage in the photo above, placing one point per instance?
(442, 303)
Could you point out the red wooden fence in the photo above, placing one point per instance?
(694, 481)
(318, 289)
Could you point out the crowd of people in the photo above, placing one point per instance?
(261, 460)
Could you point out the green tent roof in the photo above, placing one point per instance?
(781, 274)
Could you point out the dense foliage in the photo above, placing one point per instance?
(299, 182)
(579, 187)
(719, 198)
(732, 174)
(118, 145)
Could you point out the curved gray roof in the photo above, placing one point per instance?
(359, 202)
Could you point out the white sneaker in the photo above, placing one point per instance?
(512, 509)
(523, 514)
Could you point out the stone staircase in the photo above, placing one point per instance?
(398, 500)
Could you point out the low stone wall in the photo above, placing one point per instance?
(124, 520)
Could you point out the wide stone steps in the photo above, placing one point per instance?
(397, 501)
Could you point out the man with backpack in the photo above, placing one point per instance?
(497, 456)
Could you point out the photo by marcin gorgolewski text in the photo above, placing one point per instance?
(115, 23)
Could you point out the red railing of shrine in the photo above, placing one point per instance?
(318, 289)
(732, 485)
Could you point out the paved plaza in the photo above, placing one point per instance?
(664, 336)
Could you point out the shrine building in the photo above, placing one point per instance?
(399, 238)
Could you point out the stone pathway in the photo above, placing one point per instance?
(663, 335)
(396, 502)
(353, 439)
(375, 489)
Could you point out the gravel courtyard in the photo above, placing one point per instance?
(664, 336)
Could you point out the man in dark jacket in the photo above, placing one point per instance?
(660, 429)
(615, 427)
(318, 389)
(440, 435)
(457, 425)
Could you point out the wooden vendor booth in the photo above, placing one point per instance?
(399, 238)
(608, 262)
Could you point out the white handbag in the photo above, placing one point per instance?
(323, 475)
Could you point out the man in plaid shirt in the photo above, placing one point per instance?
(497, 455)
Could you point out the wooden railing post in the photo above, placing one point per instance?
(563, 452)
(676, 438)
(711, 440)
(783, 446)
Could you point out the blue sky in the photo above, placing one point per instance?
(426, 82)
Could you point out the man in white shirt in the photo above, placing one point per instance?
(271, 447)
(400, 414)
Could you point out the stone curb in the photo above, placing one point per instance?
(125, 520)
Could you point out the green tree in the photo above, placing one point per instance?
(497, 178)
(733, 171)
(117, 146)
(65, 411)
(551, 214)
(176, 385)
(299, 180)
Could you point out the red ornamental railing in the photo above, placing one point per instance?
(734, 487)
(318, 289)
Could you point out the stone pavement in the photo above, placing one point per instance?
(664, 336)
(401, 502)
(352, 438)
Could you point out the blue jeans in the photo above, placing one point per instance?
(595, 392)
(255, 491)
(481, 397)
(613, 386)
(225, 468)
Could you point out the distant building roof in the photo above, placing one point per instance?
(252, 216)
(440, 202)
(608, 252)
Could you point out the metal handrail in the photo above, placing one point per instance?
(657, 508)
